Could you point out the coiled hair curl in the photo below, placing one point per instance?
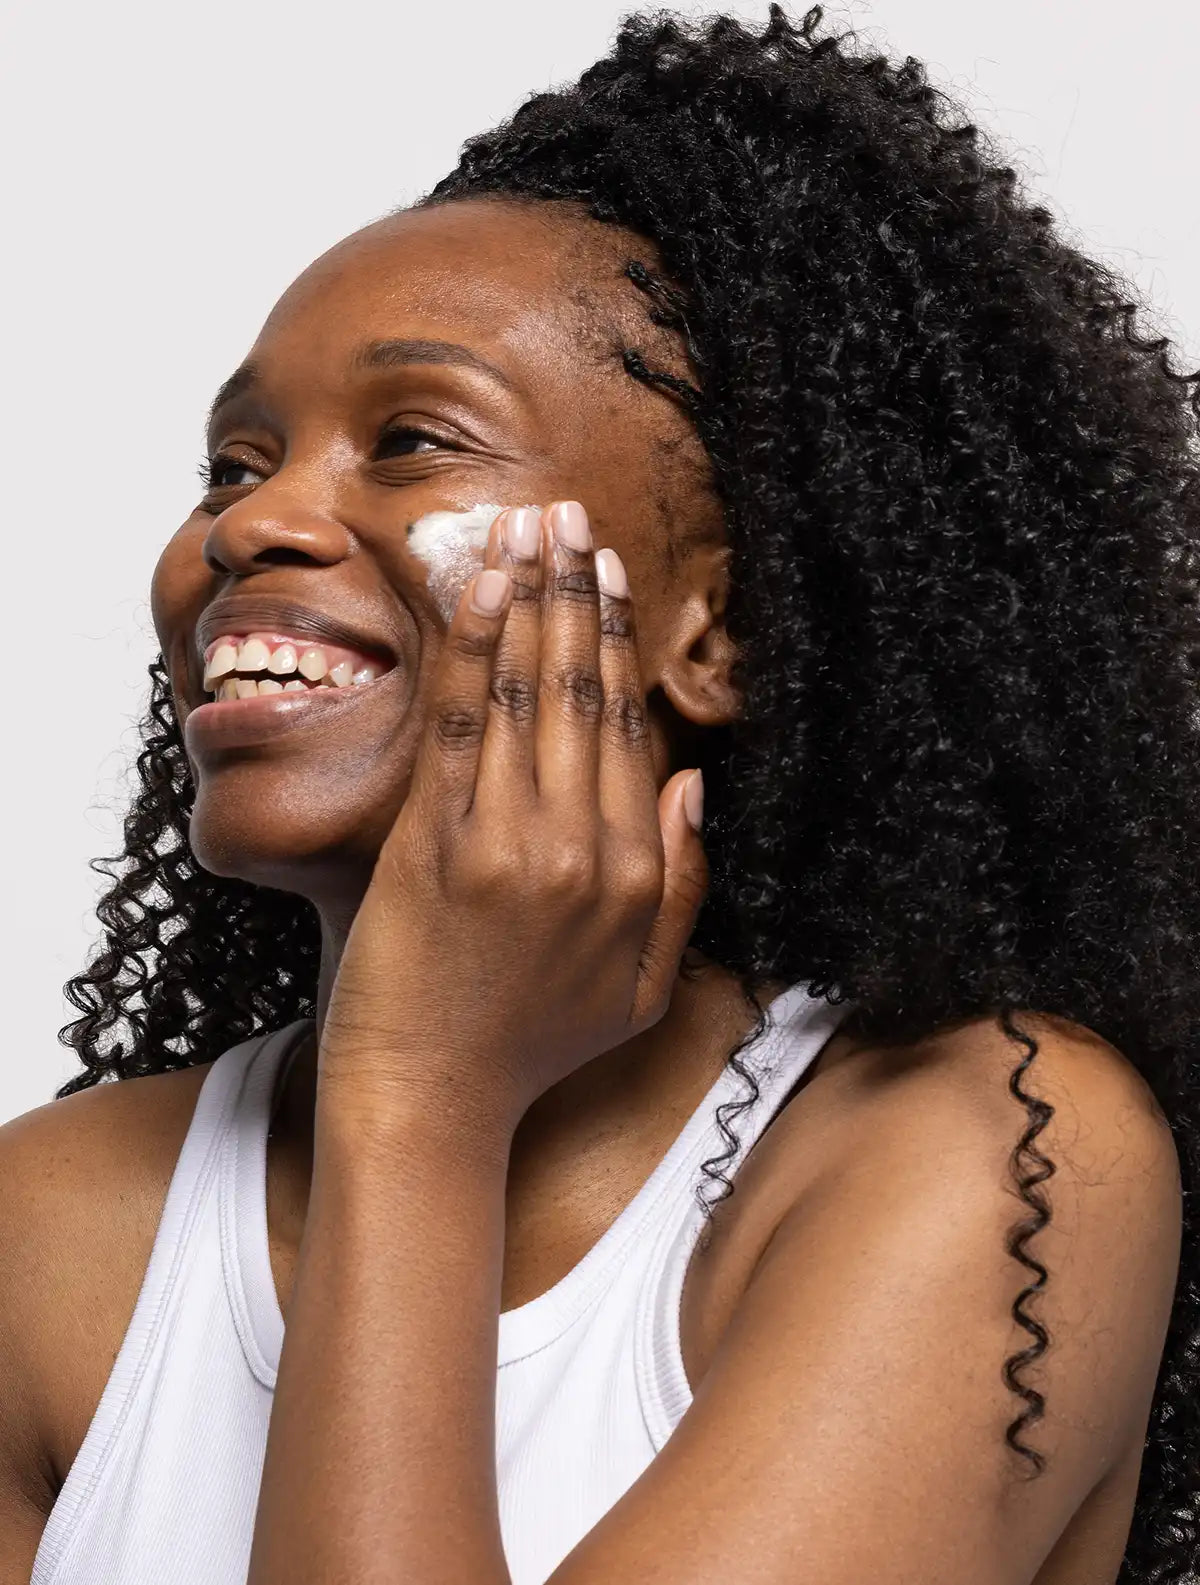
(960, 490)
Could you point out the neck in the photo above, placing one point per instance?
(588, 1143)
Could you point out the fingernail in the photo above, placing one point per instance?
(523, 533)
(610, 575)
(693, 800)
(569, 522)
(489, 591)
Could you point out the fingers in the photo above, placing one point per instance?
(447, 759)
(568, 718)
(685, 882)
(570, 690)
(627, 783)
(537, 711)
(507, 762)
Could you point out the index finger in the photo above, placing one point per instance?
(442, 787)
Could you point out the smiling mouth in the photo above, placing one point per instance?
(249, 665)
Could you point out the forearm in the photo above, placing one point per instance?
(380, 1460)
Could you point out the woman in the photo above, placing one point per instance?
(451, 1004)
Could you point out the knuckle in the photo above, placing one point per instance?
(616, 622)
(457, 726)
(570, 869)
(581, 690)
(489, 874)
(525, 589)
(471, 644)
(515, 695)
(643, 869)
(576, 583)
(625, 717)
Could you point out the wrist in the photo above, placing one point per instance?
(389, 1111)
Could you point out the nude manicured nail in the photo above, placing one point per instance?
(489, 591)
(523, 533)
(693, 800)
(610, 575)
(569, 522)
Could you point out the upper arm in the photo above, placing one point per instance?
(83, 1181)
(24, 1503)
(851, 1424)
(26, 1481)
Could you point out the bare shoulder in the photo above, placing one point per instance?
(872, 1106)
(83, 1181)
(1090, 1111)
(853, 1351)
(91, 1130)
(949, 1107)
(1115, 1188)
(912, 1147)
(969, 1065)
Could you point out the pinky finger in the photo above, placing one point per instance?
(456, 712)
(685, 884)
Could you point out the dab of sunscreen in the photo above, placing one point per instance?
(451, 544)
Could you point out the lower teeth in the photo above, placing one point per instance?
(249, 687)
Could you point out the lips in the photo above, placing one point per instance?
(213, 729)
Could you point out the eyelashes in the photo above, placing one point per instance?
(213, 470)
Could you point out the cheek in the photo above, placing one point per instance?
(179, 584)
(451, 545)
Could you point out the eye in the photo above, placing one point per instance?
(400, 440)
(393, 442)
(218, 473)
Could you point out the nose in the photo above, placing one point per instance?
(271, 526)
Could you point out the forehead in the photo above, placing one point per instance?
(530, 286)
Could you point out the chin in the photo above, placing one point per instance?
(313, 852)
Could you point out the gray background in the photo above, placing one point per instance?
(168, 170)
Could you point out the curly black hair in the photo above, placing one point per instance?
(960, 489)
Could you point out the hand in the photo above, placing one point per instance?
(531, 904)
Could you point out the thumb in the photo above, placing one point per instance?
(685, 883)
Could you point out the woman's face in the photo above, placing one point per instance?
(495, 330)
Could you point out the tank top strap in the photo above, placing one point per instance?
(242, 1208)
(199, 1166)
(798, 1028)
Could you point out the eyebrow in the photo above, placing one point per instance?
(240, 381)
(389, 354)
(373, 355)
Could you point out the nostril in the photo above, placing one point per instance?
(283, 556)
(250, 536)
(272, 556)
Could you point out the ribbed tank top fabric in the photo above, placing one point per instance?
(590, 1378)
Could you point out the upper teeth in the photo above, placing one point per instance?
(254, 654)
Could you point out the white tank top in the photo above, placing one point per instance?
(590, 1380)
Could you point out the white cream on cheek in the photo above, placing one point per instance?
(451, 544)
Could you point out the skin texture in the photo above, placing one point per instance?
(815, 1402)
(451, 544)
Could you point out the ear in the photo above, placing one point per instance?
(697, 654)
